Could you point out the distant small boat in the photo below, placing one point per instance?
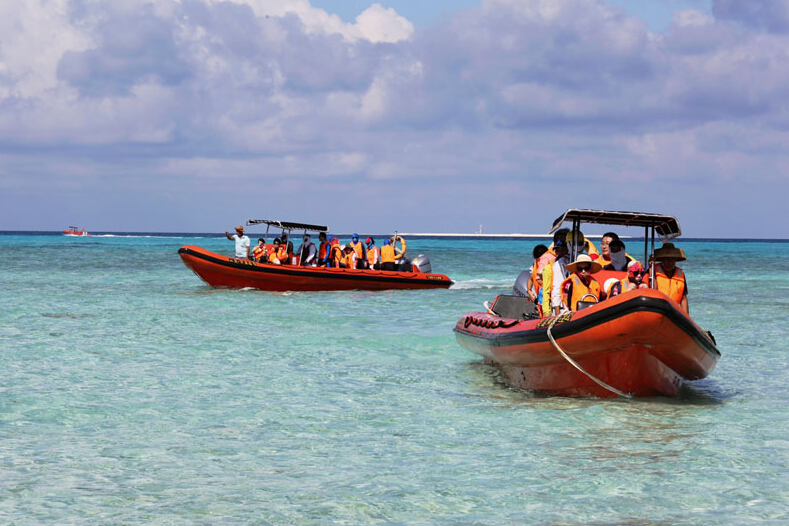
(75, 231)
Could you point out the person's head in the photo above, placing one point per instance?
(636, 272)
(616, 246)
(668, 255)
(347, 249)
(355, 237)
(605, 241)
(388, 242)
(306, 238)
(322, 236)
(560, 248)
(261, 241)
(576, 238)
(584, 266)
(240, 230)
(277, 241)
(560, 234)
(538, 251)
(370, 242)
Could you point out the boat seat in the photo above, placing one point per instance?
(515, 307)
(584, 304)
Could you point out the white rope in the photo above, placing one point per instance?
(574, 364)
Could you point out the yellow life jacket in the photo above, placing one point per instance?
(387, 254)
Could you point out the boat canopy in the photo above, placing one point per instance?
(666, 227)
(285, 225)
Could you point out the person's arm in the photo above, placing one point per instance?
(556, 291)
(684, 302)
(227, 235)
(247, 243)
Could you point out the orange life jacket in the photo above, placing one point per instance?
(358, 247)
(579, 292)
(322, 250)
(258, 252)
(349, 260)
(673, 287)
(373, 255)
(387, 254)
(336, 254)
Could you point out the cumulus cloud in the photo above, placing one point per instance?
(492, 103)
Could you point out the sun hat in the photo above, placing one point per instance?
(669, 251)
(584, 258)
(239, 227)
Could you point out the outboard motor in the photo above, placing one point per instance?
(421, 263)
(520, 289)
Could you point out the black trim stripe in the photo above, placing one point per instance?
(291, 271)
(569, 328)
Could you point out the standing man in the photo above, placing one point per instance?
(388, 256)
(307, 252)
(242, 242)
(670, 278)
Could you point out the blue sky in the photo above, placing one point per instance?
(415, 116)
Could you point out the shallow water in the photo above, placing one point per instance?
(134, 394)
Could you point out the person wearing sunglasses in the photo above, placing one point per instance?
(580, 285)
(636, 279)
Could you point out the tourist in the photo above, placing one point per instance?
(388, 256)
(307, 252)
(580, 285)
(373, 254)
(669, 277)
(324, 251)
(242, 242)
(359, 249)
(260, 252)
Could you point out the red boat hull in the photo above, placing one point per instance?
(222, 271)
(639, 342)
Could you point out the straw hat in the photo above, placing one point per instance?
(583, 258)
(239, 227)
(669, 251)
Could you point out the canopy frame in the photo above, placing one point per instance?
(666, 227)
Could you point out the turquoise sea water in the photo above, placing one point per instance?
(134, 394)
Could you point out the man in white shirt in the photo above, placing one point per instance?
(242, 242)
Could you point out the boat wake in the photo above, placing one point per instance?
(482, 284)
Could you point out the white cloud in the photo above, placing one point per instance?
(516, 94)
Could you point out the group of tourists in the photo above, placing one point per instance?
(327, 253)
(558, 284)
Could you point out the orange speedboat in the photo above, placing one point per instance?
(231, 272)
(638, 343)
(75, 231)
